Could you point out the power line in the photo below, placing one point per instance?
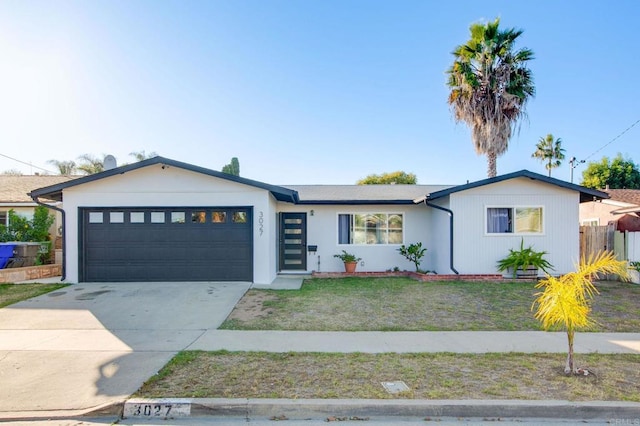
(611, 141)
(25, 163)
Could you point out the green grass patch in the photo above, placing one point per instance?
(225, 374)
(14, 293)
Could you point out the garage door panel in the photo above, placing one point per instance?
(162, 250)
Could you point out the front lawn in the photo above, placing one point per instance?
(428, 376)
(14, 293)
(402, 304)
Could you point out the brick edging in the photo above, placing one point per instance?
(414, 275)
(12, 275)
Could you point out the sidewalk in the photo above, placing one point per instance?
(415, 341)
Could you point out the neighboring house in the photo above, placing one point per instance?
(622, 208)
(164, 220)
(14, 195)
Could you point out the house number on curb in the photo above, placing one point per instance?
(261, 223)
(157, 408)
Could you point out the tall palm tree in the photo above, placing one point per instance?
(65, 168)
(90, 165)
(550, 151)
(142, 155)
(490, 86)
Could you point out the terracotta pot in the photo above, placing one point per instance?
(350, 267)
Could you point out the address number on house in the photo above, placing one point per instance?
(157, 408)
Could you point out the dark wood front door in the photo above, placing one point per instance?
(293, 241)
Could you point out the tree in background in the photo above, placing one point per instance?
(566, 301)
(620, 173)
(20, 228)
(398, 177)
(142, 155)
(65, 168)
(232, 168)
(490, 86)
(549, 151)
(90, 165)
(12, 172)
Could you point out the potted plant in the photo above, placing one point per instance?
(350, 261)
(525, 262)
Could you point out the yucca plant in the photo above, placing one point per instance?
(565, 301)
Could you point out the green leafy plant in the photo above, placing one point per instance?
(566, 301)
(23, 229)
(30, 230)
(523, 259)
(347, 257)
(414, 253)
(634, 265)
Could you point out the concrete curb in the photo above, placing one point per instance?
(323, 408)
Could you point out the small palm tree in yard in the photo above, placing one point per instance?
(566, 301)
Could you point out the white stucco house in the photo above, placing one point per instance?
(164, 220)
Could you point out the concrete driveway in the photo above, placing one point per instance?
(88, 346)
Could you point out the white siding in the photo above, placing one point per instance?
(154, 186)
(440, 238)
(478, 252)
(322, 230)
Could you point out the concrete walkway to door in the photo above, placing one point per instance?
(88, 346)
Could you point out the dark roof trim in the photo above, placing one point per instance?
(586, 194)
(55, 191)
(355, 202)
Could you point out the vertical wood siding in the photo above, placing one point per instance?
(478, 252)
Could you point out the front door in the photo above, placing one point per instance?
(293, 241)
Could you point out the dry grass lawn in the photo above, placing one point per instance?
(356, 304)
(397, 304)
(428, 376)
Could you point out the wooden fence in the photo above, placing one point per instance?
(594, 239)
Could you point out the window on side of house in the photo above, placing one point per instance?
(514, 220)
(4, 217)
(370, 228)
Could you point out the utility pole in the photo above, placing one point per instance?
(573, 163)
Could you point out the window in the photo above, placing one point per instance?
(239, 217)
(116, 217)
(157, 217)
(136, 217)
(198, 217)
(96, 217)
(219, 217)
(514, 220)
(177, 217)
(370, 228)
(590, 222)
(4, 216)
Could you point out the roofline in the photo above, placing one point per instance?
(625, 210)
(279, 192)
(586, 194)
(355, 202)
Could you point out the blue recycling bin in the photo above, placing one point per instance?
(6, 253)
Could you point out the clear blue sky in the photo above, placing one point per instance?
(304, 91)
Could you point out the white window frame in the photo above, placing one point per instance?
(351, 213)
(513, 208)
(590, 222)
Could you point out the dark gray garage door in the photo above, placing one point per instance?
(160, 244)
